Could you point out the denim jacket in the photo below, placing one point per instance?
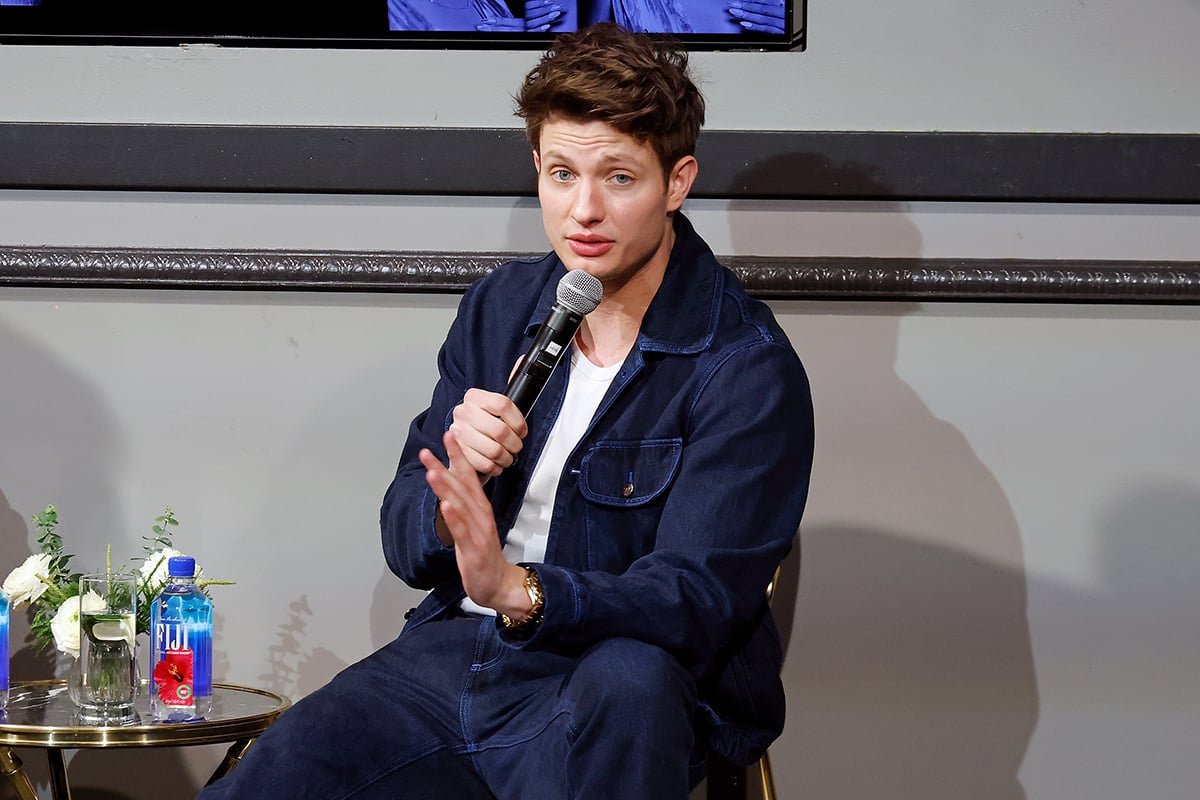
(675, 508)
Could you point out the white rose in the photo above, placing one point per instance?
(28, 581)
(154, 569)
(65, 625)
(115, 630)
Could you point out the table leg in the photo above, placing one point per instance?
(59, 788)
(232, 758)
(11, 765)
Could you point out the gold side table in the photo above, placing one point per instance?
(40, 714)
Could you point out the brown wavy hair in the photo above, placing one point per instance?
(637, 83)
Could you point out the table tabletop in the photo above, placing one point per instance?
(41, 714)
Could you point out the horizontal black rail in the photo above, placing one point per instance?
(823, 165)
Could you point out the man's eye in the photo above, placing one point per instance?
(621, 179)
(560, 175)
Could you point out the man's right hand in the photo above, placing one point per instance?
(466, 523)
(490, 431)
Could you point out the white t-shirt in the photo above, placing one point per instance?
(526, 541)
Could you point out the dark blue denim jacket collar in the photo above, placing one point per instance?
(682, 317)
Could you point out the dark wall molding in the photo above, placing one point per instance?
(772, 165)
(995, 280)
(825, 165)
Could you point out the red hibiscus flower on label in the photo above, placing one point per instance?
(173, 677)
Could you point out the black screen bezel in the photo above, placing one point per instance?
(83, 22)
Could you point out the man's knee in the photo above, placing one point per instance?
(627, 675)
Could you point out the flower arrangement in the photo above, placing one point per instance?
(45, 580)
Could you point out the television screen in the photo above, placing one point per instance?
(700, 24)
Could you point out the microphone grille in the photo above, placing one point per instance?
(580, 291)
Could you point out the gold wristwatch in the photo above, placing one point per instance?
(537, 599)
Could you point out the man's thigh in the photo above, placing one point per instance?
(613, 721)
(390, 719)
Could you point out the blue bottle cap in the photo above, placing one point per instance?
(181, 566)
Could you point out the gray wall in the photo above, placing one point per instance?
(995, 597)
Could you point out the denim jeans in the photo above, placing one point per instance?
(447, 710)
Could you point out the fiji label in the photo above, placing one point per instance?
(174, 674)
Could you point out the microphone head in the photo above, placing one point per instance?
(580, 292)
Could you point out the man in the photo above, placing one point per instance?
(623, 535)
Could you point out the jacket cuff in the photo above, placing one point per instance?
(559, 612)
(430, 543)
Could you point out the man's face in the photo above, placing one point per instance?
(605, 203)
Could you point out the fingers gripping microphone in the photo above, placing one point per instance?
(578, 295)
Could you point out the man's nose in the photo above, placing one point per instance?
(588, 207)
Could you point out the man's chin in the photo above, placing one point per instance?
(572, 261)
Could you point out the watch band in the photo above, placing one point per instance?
(537, 600)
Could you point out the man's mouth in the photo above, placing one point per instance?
(589, 246)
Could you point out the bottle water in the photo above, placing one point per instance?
(181, 647)
(3, 652)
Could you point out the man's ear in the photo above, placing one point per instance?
(680, 181)
(537, 162)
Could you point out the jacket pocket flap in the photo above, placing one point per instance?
(629, 473)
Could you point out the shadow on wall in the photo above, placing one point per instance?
(1150, 554)
(296, 667)
(909, 665)
(1126, 653)
(60, 445)
(24, 664)
(360, 421)
(14, 549)
(911, 672)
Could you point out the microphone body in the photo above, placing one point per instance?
(578, 295)
(551, 342)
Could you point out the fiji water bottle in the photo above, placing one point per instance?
(181, 647)
(3, 651)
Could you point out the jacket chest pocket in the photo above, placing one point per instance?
(628, 474)
(626, 485)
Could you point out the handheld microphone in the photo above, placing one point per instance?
(578, 294)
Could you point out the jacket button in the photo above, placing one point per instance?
(628, 490)
(408, 614)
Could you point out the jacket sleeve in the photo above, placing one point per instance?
(730, 516)
(484, 341)
(410, 543)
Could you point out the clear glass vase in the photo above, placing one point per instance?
(104, 679)
(67, 668)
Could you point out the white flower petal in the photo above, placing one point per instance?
(29, 581)
(153, 571)
(65, 627)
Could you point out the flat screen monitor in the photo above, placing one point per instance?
(531, 24)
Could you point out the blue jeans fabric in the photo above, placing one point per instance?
(449, 710)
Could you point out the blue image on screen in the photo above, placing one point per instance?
(728, 17)
(452, 15)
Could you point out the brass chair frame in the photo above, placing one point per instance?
(729, 782)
